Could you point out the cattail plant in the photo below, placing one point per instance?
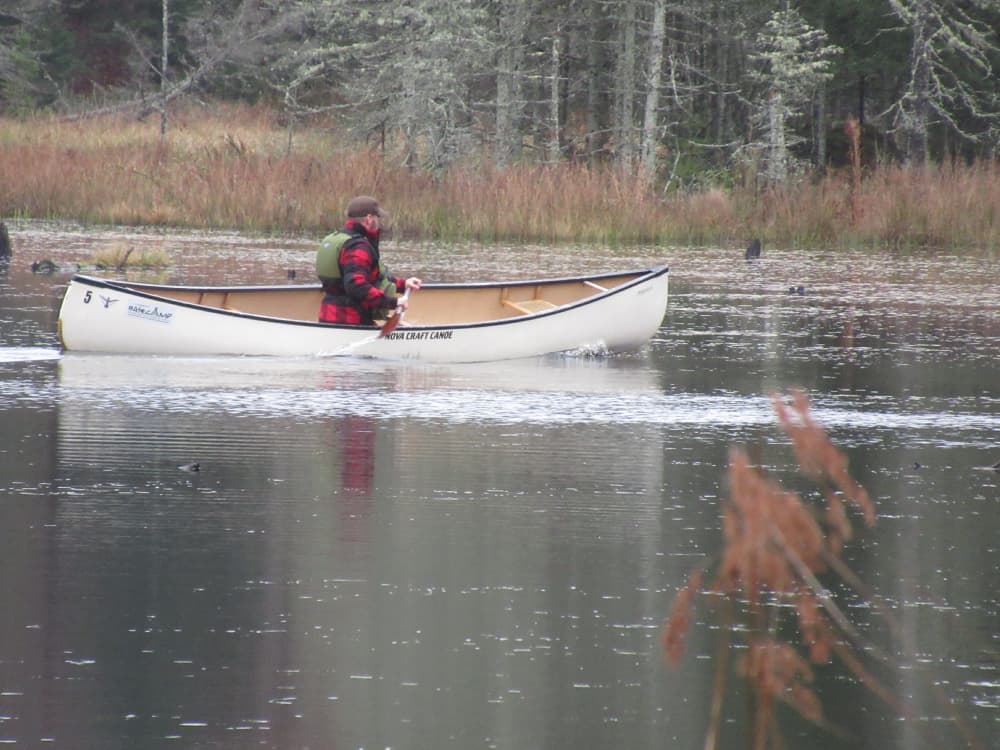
(766, 585)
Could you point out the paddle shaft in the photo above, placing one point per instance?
(391, 323)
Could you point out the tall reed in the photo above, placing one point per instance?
(767, 592)
(240, 167)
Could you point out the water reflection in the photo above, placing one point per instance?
(385, 554)
(367, 510)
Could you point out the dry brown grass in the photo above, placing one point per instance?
(776, 546)
(231, 166)
(121, 256)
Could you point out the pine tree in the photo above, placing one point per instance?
(791, 62)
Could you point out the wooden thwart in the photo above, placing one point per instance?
(526, 306)
(536, 304)
(529, 306)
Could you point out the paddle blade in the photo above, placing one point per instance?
(391, 323)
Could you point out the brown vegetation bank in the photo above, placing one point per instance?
(239, 168)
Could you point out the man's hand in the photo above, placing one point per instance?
(412, 284)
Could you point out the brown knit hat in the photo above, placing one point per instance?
(362, 206)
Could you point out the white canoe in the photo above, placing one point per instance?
(474, 322)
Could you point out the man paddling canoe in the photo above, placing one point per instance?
(348, 263)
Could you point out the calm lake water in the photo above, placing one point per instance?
(385, 555)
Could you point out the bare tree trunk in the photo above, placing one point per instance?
(819, 130)
(777, 150)
(163, 73)
(410, 158)
(625, 88)
(862, 91)
(719, 98)
(653, 73)
(504, 108)
(916, 105)
(597, 101)
(510, 59)
(554, 148)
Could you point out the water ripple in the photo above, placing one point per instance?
(451, 404)
(27, 354)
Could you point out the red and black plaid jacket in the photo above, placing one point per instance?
(354, 298)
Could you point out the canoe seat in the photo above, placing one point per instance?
(529, 306)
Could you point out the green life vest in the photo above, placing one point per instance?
(328, 256)
(328, 262)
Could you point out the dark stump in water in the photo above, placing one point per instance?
(6, 251)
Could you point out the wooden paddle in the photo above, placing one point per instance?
(391, 323)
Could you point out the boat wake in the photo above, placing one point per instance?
(346, 351)
(595, 351)
(27, 354)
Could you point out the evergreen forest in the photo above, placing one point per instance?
(681, 94)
